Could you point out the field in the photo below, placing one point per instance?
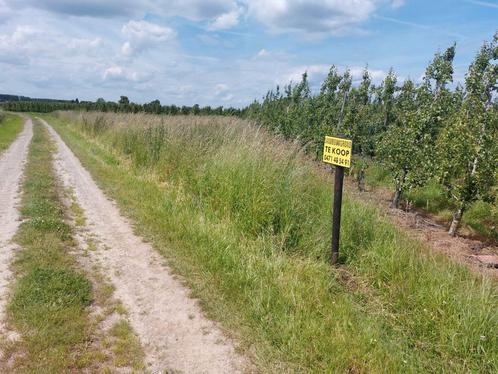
(244, 217)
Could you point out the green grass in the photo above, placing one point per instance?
(245, 218)
(49, 297)
(10, 126)
(483, 218)
(126, 347)
(377, 175)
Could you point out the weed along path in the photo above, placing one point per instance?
(175, 334)
(11, 169)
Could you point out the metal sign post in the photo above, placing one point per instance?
(337, 151)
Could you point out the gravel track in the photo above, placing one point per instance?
(176, 336)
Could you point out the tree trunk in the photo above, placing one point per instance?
(455, 223)
(341, 115)
(386, 116)
(361, 180)
(396, 199)
(399, 190)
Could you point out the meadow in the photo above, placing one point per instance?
(244, 217)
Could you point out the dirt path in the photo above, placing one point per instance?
(11, 169)
(175, 334)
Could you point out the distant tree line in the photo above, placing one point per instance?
(420, 132)
(4, 97)
(123, 105)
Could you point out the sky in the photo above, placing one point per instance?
(224, 52)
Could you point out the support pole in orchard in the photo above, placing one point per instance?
(337, 151)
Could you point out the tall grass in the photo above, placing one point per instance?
(10, 127)
(245, 217)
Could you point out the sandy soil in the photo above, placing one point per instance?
(175, 334)
(12, 163)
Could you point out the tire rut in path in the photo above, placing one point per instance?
(173, 331)
(12, 163)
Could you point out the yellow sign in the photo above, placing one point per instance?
(337, 151)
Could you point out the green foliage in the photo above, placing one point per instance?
(441, 69)
(468, 150)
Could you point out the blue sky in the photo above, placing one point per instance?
(224, 52)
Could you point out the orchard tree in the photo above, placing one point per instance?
(387, 93)
(344, 90)
(399, 148)
(407, 148)
(328, 102)
(358, 127)
(440, 70)
(468, 147)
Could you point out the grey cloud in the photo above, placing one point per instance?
(191, 9)
(92, 8)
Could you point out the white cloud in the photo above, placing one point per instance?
(397, 3)
(220, 88)
(142, 35)
(147, 31)
(313, 17)
(225, 21)
(317, 74)
(120, 73)
(18, 47)
(126, 49)
(82, 43)
(376, 75)
(263, 53)
(20, 37)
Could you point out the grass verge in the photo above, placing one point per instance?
(10, 127)
(245, 218)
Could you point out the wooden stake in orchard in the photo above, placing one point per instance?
(337, 151)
